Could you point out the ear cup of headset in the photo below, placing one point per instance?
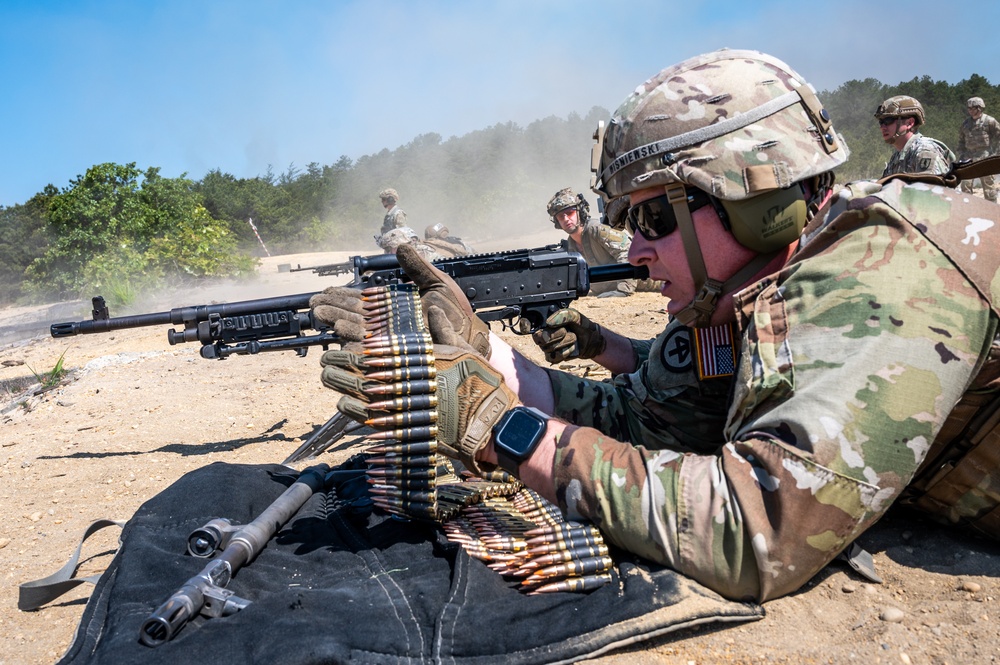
(767, 222)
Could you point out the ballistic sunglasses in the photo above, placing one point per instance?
(654, 218)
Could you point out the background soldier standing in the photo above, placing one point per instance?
(394, 217)
(898, 119)
(979, 137)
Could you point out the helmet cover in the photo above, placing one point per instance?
(733, 123)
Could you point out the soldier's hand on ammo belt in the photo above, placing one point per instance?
(340, 308)
(449, 314)
(471, 397)
(569, 334)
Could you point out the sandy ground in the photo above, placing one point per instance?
(134, 414)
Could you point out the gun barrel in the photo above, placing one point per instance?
(615, 272)
(183, 315)
(203, 591)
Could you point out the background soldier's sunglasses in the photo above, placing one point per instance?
(654, 218)
(885, 122)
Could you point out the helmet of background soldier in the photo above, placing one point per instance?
(388, 195)
(901, 106)
(566, 198)
(739, 125)
(439, 231)
(976, 102)
(390, 240)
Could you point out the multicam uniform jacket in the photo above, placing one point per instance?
(977, 139)
(602, 245)
(921, 154)
(395, 218)
(847, 363)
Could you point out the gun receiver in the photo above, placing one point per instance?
(527, 284)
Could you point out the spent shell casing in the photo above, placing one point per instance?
(414, 448)
(415, 373)
(407, 434)
(404, 419)
(405, 403)
(575, 584)
(401, 388)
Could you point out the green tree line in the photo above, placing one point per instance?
(125, 228)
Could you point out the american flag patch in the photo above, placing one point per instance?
(715, 351)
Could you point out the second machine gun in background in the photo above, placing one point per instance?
(332, 269)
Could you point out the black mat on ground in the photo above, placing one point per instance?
(330, 589)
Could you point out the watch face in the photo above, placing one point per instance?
(520, 433)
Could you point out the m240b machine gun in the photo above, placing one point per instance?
(528, 284)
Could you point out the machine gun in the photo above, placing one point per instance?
(528, 284)
(331, 269)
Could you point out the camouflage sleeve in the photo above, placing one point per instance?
(616, 243)
(852, 358)
(994, 132)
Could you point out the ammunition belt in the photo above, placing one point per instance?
(495, 519)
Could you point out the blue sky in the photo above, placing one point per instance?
(238, 85)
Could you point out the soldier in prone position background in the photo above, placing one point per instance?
(438, 237)
(825, 357)
(600, 244)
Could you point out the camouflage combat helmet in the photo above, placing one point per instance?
(390, 240)
(388, 195)
(438, 230)
(901, 106)
(739, 125)
(976, 102)
(567, 198)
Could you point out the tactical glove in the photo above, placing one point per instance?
(471, 397)
(442, 299)
(340, 308)
(569, 334)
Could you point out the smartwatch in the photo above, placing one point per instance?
(517, 435)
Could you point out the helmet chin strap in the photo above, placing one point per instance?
(698, 314)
